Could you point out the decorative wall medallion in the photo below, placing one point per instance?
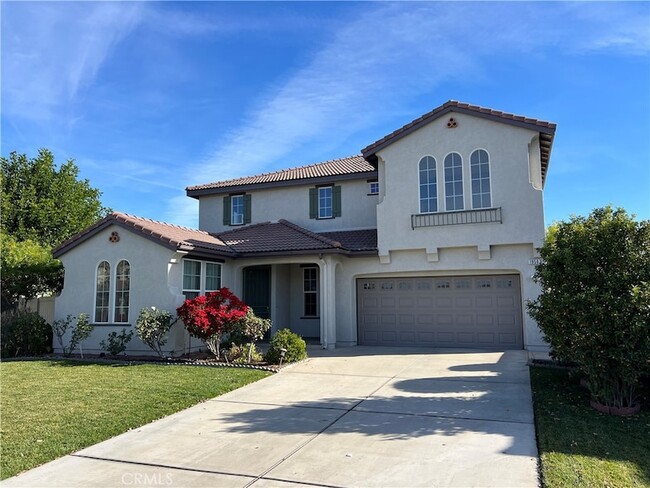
(452, 123)
(115, 237)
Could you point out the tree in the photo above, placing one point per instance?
(152, 327)
(594, 308)
(28, 270)
(43, 204)
(209, 316)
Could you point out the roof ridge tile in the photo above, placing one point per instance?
(311, 234)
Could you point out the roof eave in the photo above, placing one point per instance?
(320, 180)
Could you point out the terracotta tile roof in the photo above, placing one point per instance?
(354, 240)
(170, 235)
(282, 237)
(546, 129)
(351, 165)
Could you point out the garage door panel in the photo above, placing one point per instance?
(467, 311)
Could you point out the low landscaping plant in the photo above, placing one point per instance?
(243, 354)
(24, 334)
(286, 347)
(152, 327)
(208, 317)
(594, 308)
(80, 330)
(116, 343)
(253, 328)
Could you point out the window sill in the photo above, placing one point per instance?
(110, 324)
(311, 317)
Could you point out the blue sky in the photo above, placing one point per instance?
(149, 97)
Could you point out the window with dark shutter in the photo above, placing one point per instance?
(226, 210)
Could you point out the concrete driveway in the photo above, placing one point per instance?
(351, 417)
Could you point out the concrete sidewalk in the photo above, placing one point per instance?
(351, 417)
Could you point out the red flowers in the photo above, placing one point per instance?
(208, 317)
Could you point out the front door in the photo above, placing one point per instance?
(257, 290)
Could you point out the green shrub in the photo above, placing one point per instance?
(243, 353)
(594, 308)
(79, 332)
(294, 347)
(116, 343)
(24, 334)
(152, 327)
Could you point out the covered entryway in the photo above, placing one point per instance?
(458, 311)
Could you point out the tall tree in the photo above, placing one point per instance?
(28, 270)
(43, 204)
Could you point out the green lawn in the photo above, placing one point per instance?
(52, 408)
(580, 447)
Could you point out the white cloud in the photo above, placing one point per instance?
(52, 51)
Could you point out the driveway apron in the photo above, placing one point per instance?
(352, 417)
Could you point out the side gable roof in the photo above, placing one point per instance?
(168, 235)
(268, 238)
(546, 129)
(352, 167)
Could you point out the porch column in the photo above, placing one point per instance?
(328, 302)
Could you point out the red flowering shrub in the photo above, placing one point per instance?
(209, 316)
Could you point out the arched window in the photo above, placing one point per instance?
(480, 167)
(122, 289)
(103, 292)
(454, 182)
(428, 185)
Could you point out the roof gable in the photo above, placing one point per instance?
(168, 235)
(546, 129)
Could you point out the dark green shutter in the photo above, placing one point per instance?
(226, 210)
(336, 201)
(313, 203)
(247, 208)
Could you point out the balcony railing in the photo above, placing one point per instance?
(482, 216)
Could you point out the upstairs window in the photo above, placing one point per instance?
(428, 185)
(325, 202)
(237, 209)
(480, 169)
(102, 292)
(237, 214)
(454, 182)
(122, 291)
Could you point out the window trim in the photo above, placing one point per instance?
(115, 292)
(202, 277)
(95, 289)
(462, 182)
(238, 196)
(316, 292)
(435, 168)
(331, 198)
(471, 180)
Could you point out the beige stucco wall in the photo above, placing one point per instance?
(511, 185)
(155, 281)
(292, 204)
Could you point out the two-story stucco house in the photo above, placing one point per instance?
(425, 239)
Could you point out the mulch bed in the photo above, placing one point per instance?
(194, 359)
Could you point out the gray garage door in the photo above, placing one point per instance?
(459, 311)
